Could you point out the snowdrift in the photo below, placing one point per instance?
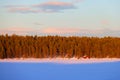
(62, 60)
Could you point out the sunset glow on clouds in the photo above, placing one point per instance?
(50, 6)
(60, 30)
(16, 30)
(81, 17)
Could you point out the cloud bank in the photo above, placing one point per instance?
(60, 31)
(46, 7)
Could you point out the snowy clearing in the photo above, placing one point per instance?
(62, 60)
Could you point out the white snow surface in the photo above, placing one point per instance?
(62, 60)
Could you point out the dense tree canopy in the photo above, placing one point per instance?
(56, 46)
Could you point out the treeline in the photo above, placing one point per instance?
(55, 46)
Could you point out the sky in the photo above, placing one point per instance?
(73, 17)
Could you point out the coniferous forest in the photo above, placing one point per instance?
(15, 46)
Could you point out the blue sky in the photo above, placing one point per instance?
(60, 16)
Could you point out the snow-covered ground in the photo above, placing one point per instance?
(62, 60)
(47, 69)
(30, 70)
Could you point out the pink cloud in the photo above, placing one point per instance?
(57, 3)
(51, 6)
(81, 32)
(60, 30)
(15, 30)
(22, 9)
(54, 6)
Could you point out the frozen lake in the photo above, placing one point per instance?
(55, 71)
